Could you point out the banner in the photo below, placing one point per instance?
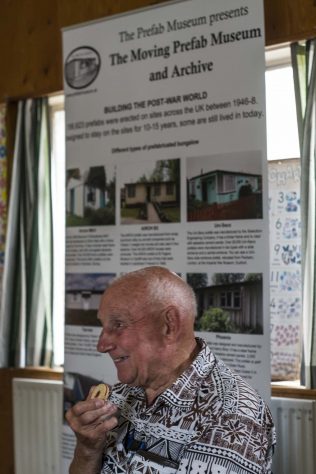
(166, 165)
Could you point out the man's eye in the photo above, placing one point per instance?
(118, 325)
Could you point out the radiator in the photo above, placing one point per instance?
(37, 422)
(295, 421)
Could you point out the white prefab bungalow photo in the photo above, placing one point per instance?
(89, 200)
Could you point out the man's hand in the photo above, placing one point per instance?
(90, 420)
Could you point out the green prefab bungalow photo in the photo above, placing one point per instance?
(220, 195)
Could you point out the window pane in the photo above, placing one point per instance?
(236, 299)
(157, 190)
(58, 190)
(131, 190)
(282, 134)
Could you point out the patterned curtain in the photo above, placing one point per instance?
(26, 305)
(304, 68)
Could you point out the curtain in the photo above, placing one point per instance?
(26, 337)
(3, 186)
(304, 69)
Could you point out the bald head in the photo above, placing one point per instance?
(157, 287)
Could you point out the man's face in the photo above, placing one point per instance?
(132, 337)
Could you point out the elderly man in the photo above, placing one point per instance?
(177, 408)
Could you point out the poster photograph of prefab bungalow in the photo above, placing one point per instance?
(228, 302)
(224, 187)
(83, 295)
(150, 192)
(90, 196)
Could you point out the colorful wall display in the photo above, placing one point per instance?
(285, 274)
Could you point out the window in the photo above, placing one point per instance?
(237, 299)
(157, 190)
(211, 300)
(170, 187)
(230, 299)
(131, 190)
(284, 212)
(226, 183)
(58, 189)
(282, 134)
(91, 195)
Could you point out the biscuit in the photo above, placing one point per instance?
(101, 391)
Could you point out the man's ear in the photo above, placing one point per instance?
(172, 322)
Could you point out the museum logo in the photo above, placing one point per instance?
(82, 67)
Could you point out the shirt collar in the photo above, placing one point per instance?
(183, 391)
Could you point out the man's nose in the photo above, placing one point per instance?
(105, 342)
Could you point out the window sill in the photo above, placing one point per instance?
(32, 372)
(292, 390)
